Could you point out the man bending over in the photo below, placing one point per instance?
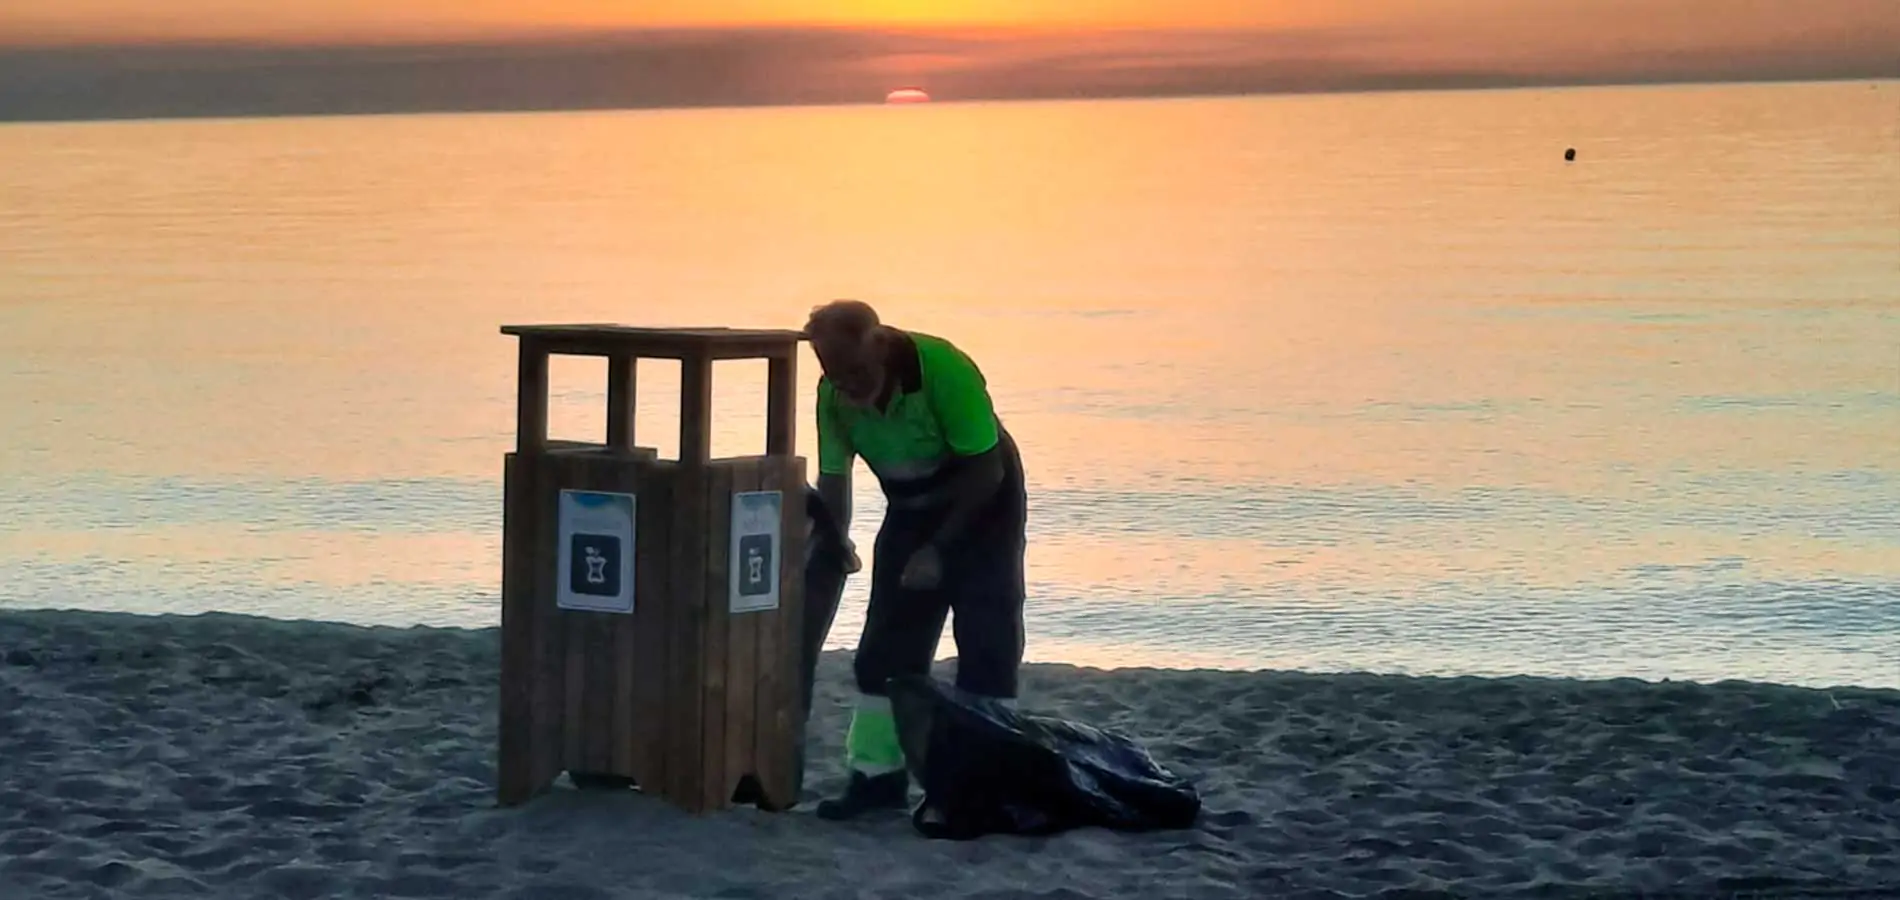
(919, 413)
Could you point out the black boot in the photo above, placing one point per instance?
(867, 793)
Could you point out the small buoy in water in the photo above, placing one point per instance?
(1570, 155)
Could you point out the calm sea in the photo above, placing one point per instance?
(1350, 382)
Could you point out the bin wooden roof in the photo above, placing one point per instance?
(658, 343)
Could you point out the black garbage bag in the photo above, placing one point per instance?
(826, 564)
(988, 769)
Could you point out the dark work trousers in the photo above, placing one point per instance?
(981, 589)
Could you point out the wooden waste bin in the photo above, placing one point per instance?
(651, 608)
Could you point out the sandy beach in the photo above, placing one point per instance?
(224, 756)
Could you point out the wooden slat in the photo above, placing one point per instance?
(790, 719)
(781, 404)
(686, 767)
(720, 478)
(621, 754)
(592, 705)
(550, 686)
(569, 473)
(572, 680)
(742, 649)
(779, 634)
(598, 750)
(657, 343)
(754, 349)
(686, 632)
(624, 646)
(515, 782)
(531, 397)
(701, 334)
(622, 393)
(597, 705)
(651, 661)
(762, 349)
(695, 411)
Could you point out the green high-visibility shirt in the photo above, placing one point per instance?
(947, 415)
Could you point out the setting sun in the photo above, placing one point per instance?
(907, 95)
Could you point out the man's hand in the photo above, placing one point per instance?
(852, 565)
(924, 570)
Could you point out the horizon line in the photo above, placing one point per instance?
(1502, 86)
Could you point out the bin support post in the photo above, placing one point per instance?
(781, 404)
(695, 410)
(622, 381)
(531, 400)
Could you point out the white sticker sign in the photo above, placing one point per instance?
(755, 551)
(595, 568)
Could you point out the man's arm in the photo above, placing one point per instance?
(835, 455)
(961, 399)
(970, 487)
(835, 490)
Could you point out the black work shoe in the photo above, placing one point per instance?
(866, 793)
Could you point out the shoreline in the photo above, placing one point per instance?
(1056, 652)
(219, 755)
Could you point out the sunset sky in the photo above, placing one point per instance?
(298, 20)
(1584, 23)
(805, 51)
